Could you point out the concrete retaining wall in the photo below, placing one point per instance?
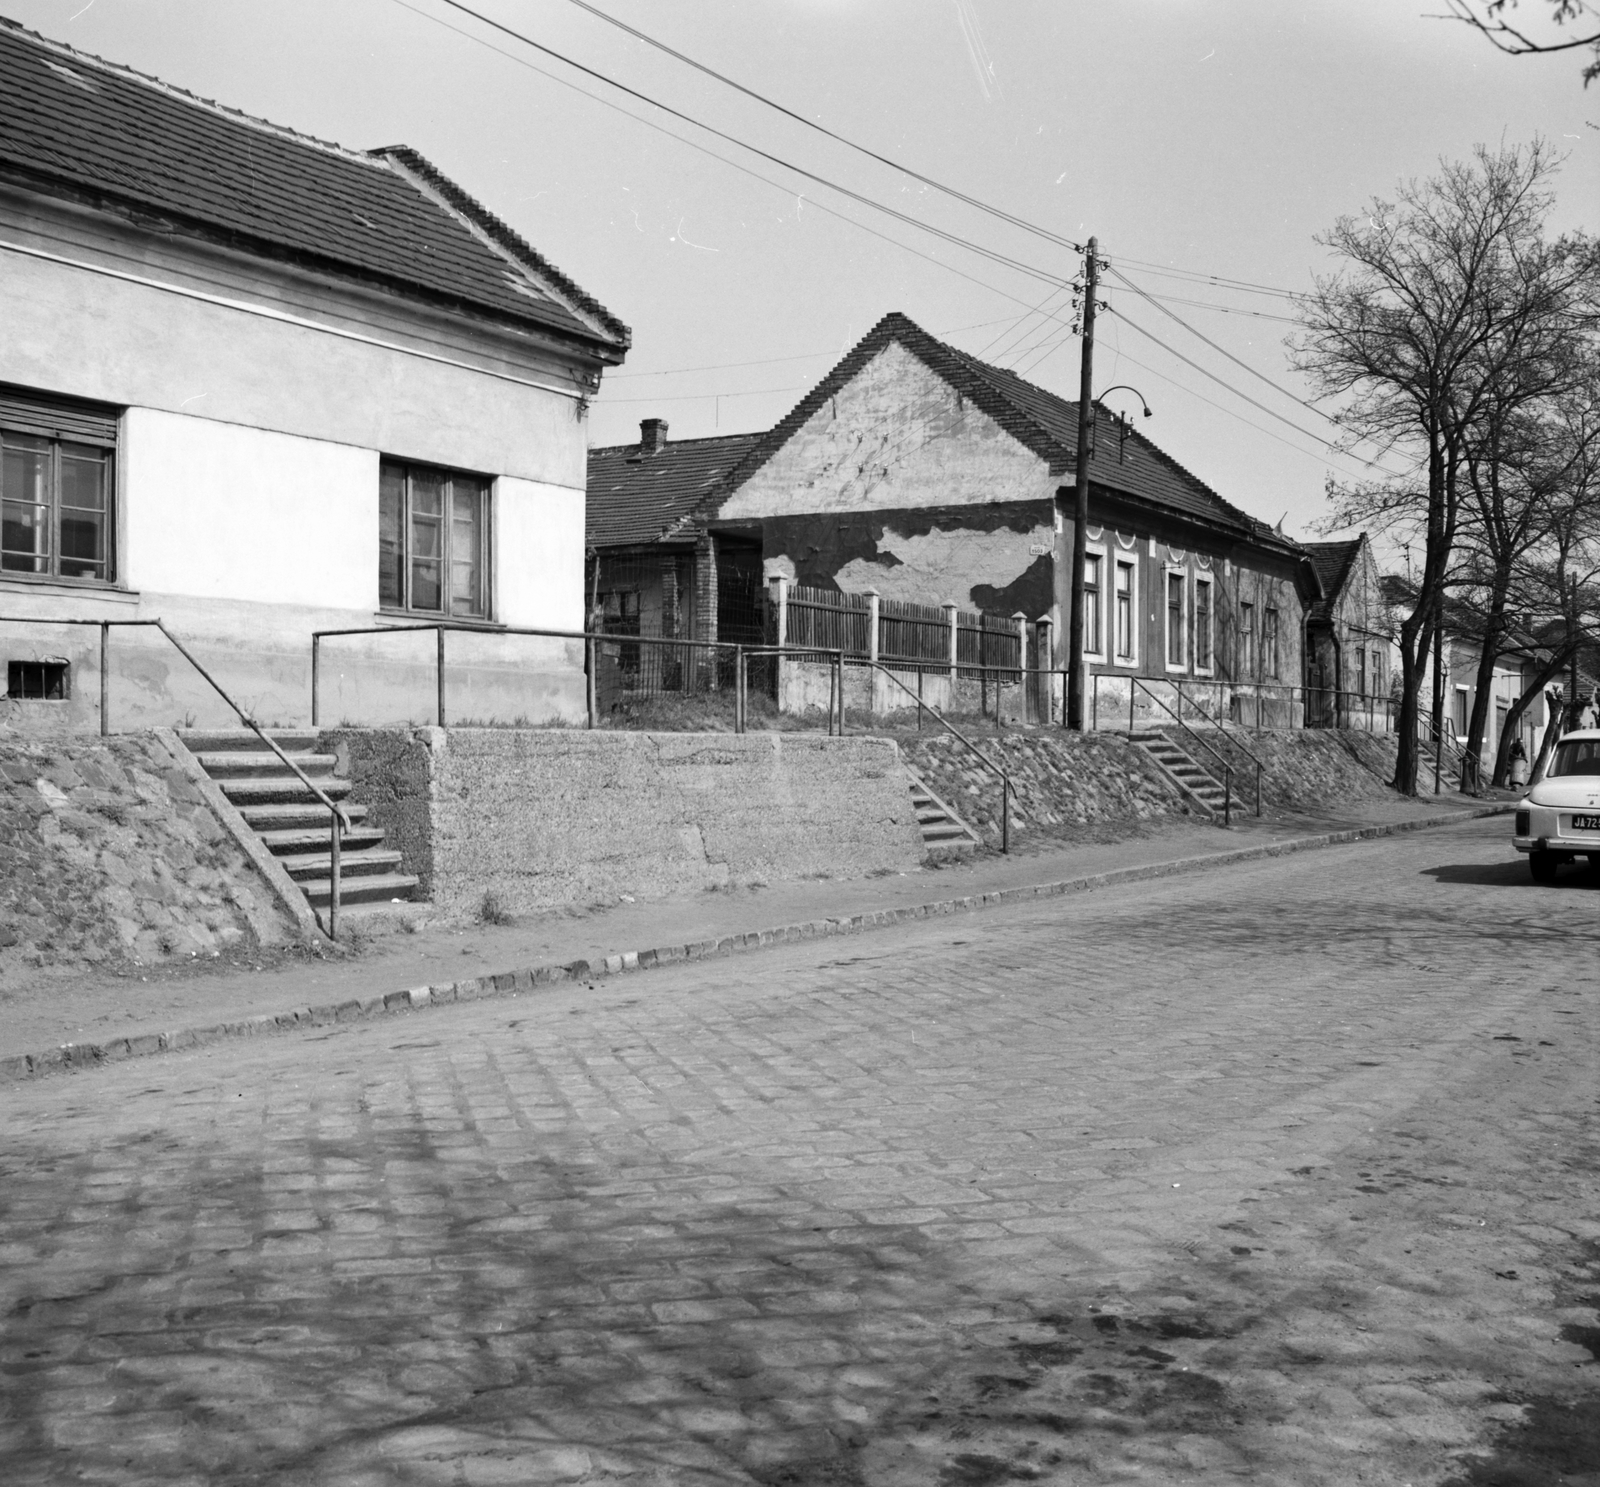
(545, 818)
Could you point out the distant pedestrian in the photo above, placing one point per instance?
(1519, 764)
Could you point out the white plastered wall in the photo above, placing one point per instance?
(539, 532)
(217, 511)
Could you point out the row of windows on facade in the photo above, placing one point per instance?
(1258, 651)
(58, 507)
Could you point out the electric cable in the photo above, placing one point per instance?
(789, 113)
(955, 239)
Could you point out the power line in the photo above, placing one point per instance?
(950, 237)
(1221, 351)
(789, 113)
(1254, 403)
(712, 154)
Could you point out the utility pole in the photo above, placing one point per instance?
(1080, 512)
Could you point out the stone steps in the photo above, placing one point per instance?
(944, 834)
(1179, 766)
(293, 825)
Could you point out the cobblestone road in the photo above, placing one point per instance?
(1281, 1173)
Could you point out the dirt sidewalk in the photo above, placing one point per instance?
(65, 1020)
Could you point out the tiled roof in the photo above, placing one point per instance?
(1038, 419)
(74, 125)
(1332, 562)
(635, 497)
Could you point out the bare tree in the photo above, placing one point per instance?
(1556, 585)
(1491, 19)
(1443, 293)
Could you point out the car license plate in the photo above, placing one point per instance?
(1586, 823)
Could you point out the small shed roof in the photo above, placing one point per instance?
(639, 494)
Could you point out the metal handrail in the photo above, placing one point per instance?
(340, 820)
(1222, 728)
(839, 658)
(1227, 769)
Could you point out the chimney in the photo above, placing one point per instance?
(652, 435)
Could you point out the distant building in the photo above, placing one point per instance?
(256, 384)
(920, 472)
(1350, 639)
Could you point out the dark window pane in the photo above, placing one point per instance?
(391, 536)
(427, 492)
(23, 530)
(425, 584)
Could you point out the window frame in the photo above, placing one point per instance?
(1248, 655)
(1097, 608)
(1128, 561)
(1208, 666)
(1271, 640)
(1176, 571)
(49, 422)
(485, 489)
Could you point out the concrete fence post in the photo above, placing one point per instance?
(780, 603)
(1020, 620)
(951, 614)
(875, 700)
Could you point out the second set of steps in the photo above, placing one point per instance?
(944, 834)
(293, 824)
(1179, 766)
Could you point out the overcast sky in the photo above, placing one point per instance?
(1209, 136)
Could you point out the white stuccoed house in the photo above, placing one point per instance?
(258, 385)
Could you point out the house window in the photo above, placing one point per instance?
(41, 680)
(1461, 712)
(1377, 671)
(1175, 619)
(1202, 624)
(1361, 672)
(1247, 642)
(57, 488)
(1125, 649)
(1093, 564)
(1269, 644)
(433, 540)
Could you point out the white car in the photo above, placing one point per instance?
(1559, 818)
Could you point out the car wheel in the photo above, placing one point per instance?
(1543, 866)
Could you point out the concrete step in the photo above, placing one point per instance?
(379, 888)
(228, 740)
(362, 864)
(287, 842)
(284, 789)
(229, 763)
(304, 814)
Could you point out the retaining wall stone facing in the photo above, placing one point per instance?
(1061, 780)
(108, 853)
(549, 818)
(1305, 769)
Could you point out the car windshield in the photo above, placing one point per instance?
(1576, 756)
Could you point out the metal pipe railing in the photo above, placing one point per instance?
(340, 821)
(836, 690)
(1221, 728)
(1227, 768)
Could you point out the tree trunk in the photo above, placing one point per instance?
(1502, 763)
(1483, 686)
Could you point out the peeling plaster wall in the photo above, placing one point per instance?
(900, 484)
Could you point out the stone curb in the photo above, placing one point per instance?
(76, 1057)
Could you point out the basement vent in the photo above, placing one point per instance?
(44, 681)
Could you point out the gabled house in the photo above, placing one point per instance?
(257, 384)
(922, 473)
(1350, 638)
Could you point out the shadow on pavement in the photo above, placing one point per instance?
(1512, 874)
